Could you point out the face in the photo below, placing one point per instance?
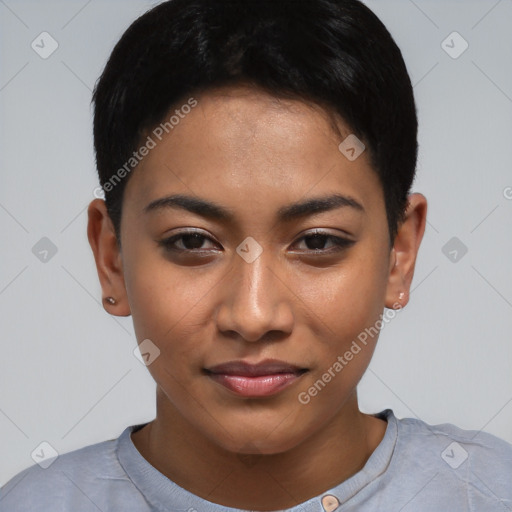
(281, 252)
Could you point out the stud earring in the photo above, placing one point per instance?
(401, 296)
(111, 300)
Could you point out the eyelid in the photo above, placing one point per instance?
(325, 232)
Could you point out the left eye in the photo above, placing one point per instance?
(315, 242)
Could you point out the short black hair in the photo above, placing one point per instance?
(333, 53)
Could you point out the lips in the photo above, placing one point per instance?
(261, 379)
(245, 369)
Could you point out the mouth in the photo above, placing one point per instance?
(255, 380)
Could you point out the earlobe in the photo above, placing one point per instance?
(405, 251)
(107, 255)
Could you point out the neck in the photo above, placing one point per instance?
(263, 482)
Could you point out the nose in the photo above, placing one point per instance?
(256, 302)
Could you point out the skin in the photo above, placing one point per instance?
(254, 154)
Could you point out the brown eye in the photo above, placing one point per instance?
(188, 241)
(316, 242)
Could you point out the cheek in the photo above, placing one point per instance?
(347, 304)
(169, 306)
(161, 295)
(346, 300)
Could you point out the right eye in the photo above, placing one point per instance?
(186, 241)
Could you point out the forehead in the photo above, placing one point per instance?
(242, 142)
(248, 105)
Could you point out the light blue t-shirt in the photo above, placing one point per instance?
(416, 468)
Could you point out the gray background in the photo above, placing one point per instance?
(68, 375)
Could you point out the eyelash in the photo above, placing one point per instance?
(341, 243)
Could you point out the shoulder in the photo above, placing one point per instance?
(479, 444)
(479, 463)
(72, 481)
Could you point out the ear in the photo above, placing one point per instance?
(107, 254)
(404, 252)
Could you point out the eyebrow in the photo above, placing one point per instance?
(286, 213)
